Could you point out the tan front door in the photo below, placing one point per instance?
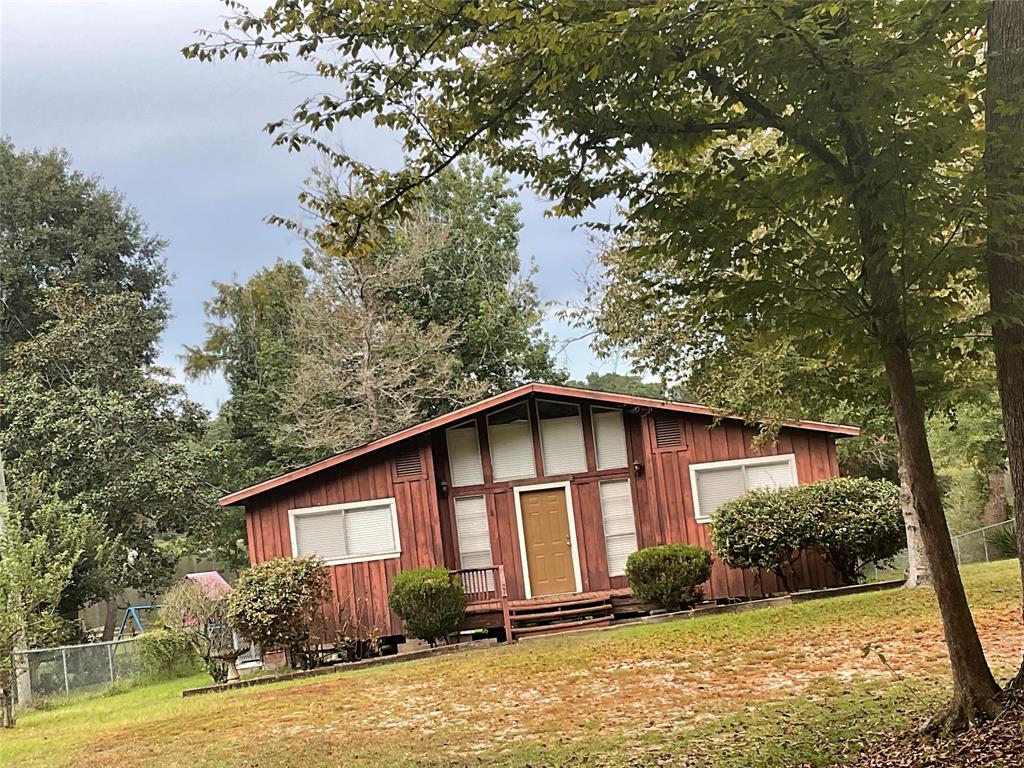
(548, 547)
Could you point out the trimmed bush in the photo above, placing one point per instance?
(763, 529)
(430, 603)
(279, 604)
(166, 653)
(669, 576)
(848, 521)
(856, 521)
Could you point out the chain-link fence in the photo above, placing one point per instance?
(982, 545)
(888, 570)
(71, 669)
(987, 544)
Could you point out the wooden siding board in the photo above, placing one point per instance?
(833, 458)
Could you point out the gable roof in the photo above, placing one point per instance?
(840, 430)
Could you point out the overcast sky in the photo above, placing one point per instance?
(183, 142)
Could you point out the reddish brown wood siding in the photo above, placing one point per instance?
(360, 589)
(659, 481)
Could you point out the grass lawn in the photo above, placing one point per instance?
(776, 687)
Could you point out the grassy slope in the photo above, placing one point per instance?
(767, 688)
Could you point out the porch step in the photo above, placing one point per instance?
(564, 613)
(561, 627)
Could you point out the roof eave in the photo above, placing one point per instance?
(838, 430)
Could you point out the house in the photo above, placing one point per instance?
(546, 489)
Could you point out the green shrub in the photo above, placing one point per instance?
(849, 522)
(762, 529)
(279, 604)
(856, 521)
(200, 617)
(1002, 541)
(669, 576)
(430, 603)
(166, 653)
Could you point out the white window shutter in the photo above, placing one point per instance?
(512, 450)
(368, 530)
(769, 476)
(321, 534)
(464, 456)
(609, 439)
(717, 486)
(619, 524)
(474, 535)
(561, 441)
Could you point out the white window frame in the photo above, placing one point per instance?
(790, 458)
(487, 527)
(540, 434)
(390, 501)
(573, 546)
(471, 424)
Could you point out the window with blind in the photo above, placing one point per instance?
(511, 443)
(474, 534)
(464, 455)
(346, 533)
(717, 482)
(609, 437)
(561, 438)
(619, 524)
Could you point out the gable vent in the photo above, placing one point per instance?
(408, 464)
(668, 430)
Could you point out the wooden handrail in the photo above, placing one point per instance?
(486, 585)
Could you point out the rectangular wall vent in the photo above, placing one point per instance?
(668, 430)
(408, 464)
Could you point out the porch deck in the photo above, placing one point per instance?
(490, 608)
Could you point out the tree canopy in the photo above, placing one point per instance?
(58, 225)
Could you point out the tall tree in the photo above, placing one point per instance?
(59, 226)
(473, 281)
(573, 95)
(1004, 256)
(364, 370)
(92, 429)
(250, 339)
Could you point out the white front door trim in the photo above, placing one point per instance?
(566, 487)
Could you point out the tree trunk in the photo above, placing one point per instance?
(6, 703)
(974, 688)
(919, 573)
(109, 620)
(995, 510)
(1004, 256)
